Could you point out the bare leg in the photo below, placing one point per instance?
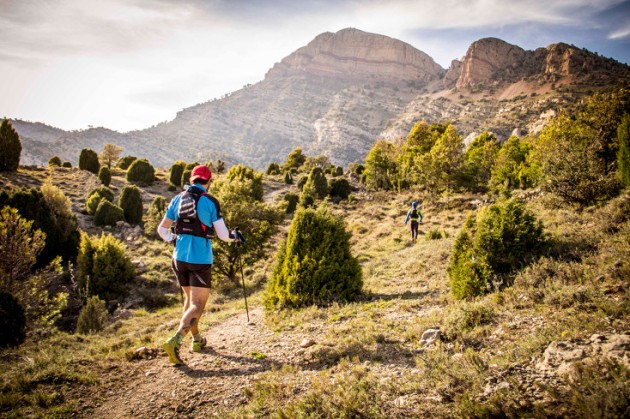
(196, 299)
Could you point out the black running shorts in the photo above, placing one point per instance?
(414, 227)
(193, 274)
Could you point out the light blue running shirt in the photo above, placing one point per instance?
(193, 249)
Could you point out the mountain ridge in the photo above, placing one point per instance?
(341, 92)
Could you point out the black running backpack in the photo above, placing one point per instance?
(188, 221)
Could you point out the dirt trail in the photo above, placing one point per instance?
(211, 380)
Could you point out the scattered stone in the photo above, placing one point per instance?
(504, 385)
(400, 402)
(429, 336)
(145, 353)
(307, 342)
(139, 265)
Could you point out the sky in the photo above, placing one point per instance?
(130, 64)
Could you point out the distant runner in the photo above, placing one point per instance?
(415, 216)
(197, 216)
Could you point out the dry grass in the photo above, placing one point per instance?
(368, 360)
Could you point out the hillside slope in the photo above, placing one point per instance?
(555, 343)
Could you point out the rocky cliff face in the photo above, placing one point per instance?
(342, 91)
(354, 55)
(492, 60)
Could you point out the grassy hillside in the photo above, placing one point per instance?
(555, 343)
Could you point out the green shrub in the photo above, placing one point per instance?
(511, 168)
(623, 155)
(288, 178)
(156, 212)
(571, 164)
(295, 159)
(434, 234)
(12, 321)
(88, 160)
(249, 181)
(314, 265)
(105, 176)
(273, 169)
(301, 182)
(141, 171)
(66, 164)
(175, 173)
(20, 245)
(10, 147)
(49, 209)
(125, 162)
(94, 198)
(319, 181)
(340, 188)
(504, 237)
(308, 196)
(91, 204)
(186, 177)
(131, 203)
(239, 193)
(104, 268)
(107, 213)
(292, 201)
(54, 161)
(380, 166)
(93, 317)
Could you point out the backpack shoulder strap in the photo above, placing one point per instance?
(215, 202)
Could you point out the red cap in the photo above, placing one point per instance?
(200, 172)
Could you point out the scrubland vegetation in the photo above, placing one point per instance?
(523, 249)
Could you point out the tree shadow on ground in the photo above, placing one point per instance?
(406, 295)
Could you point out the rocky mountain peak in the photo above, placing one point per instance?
(351, 53)
(489, 58)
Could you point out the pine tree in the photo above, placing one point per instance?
(295, 159)
(446, 158)
(110, 154)
(10, 147)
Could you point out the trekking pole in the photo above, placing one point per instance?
(240, 257)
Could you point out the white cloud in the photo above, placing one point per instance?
(620, 34)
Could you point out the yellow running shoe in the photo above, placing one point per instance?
(198, 345)
(171, 347)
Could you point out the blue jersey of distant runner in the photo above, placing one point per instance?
(193, 249)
